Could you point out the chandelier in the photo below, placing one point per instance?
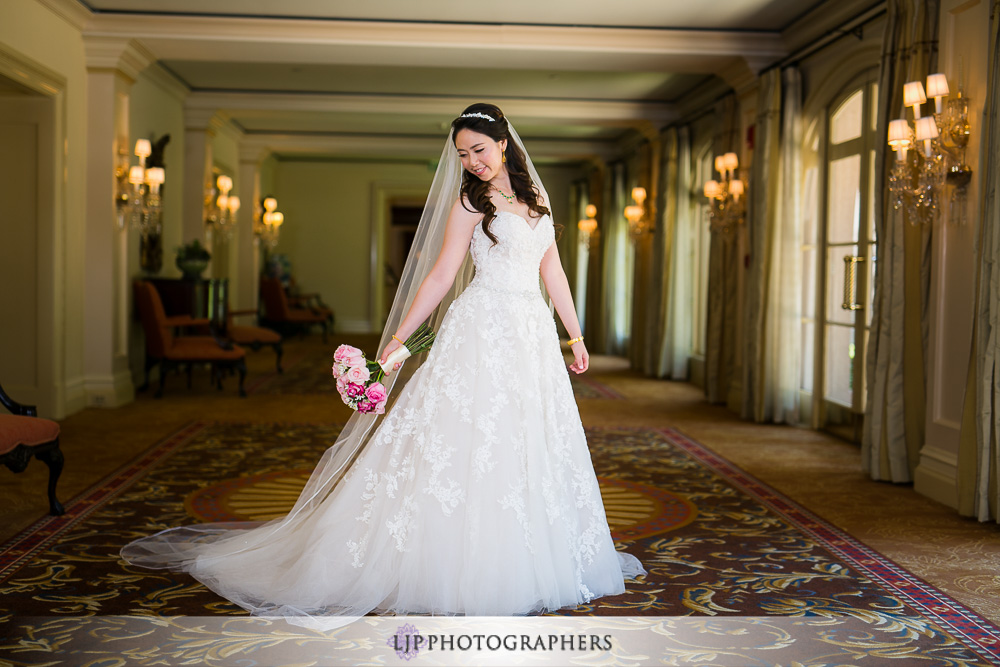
(220, 211)
(267, 225)
(638, 221)
(588, 227)
(137, 196)
(727, 206)
(917, 184)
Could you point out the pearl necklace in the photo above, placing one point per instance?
(509, 198)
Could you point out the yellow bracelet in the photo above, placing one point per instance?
(575, 340)
(397, 340)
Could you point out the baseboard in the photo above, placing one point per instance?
(74, 396)
(109, 391)
(936, 476)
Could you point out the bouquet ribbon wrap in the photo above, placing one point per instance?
(397, 356)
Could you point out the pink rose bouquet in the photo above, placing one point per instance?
(359, 381)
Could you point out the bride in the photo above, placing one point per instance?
(475, 494)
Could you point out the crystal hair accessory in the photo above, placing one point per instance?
(477, 115)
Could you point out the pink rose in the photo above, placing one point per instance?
(358, 374)
(345, 352)
(376, 392)
(380, 408)
(354, 390)
(366, 406)
(341, 384)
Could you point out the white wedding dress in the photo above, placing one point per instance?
(476, 495)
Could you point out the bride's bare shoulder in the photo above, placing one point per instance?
(464, 211)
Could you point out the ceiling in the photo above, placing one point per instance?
(331, 77)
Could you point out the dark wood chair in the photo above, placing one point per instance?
(253, 336)
(308, 300)
(280, 314)
(24, 435)
(170, 350)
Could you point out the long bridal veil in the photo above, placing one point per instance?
(186, 548)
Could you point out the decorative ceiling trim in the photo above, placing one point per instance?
(173, 37)
(623, 114)
(167, 82)
(70, 11)
(119, 54)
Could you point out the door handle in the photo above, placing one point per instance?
(851, 282)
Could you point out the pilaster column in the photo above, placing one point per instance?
(199, 129)
(113, 64)
(247, 248)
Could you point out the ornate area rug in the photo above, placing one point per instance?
(717, 543)
(309, 372)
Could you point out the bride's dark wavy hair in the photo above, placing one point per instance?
(477, 191)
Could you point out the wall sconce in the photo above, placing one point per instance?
(939, 144)
(638, 222)
(220, 211)
(268, 225)
(588, 227)
(727, 206)
(138, 191)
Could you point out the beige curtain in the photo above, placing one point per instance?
(618, 267)
(723, 283)
(773, 316)
(676, 306)
(979, 453)
(894, 413)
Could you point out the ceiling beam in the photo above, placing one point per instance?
(227, 39)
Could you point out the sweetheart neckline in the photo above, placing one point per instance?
(517, 215)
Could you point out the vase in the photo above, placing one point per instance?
(191, 268)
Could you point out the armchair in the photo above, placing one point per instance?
(24, 435)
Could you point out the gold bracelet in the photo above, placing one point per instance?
(397, 340)
(575, 340)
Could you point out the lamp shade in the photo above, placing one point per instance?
(155, 176)
(591, 211)
(712, 189)
(937, 85)
(633, 213)
(225, 184)
(913, 94)
(730, 161)
(899, 133)
(736, 187)
(720, 163)
(926, 129)
(270, 204)
(587, 225)
(278, 219)
(143, 148)
(234, 204)
(136, 175)
(639, 195)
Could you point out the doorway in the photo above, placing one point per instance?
(27, 126)
(838, 262)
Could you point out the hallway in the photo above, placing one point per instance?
(957, 555)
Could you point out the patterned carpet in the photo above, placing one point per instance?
(717, 543)
(308, 372)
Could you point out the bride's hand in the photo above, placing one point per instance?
(582, 359)
(393, 344)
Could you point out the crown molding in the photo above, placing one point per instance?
(167, 82)
(71, 11)
(435, 44)
(827, 16)
(122, 55)
(621, 113)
